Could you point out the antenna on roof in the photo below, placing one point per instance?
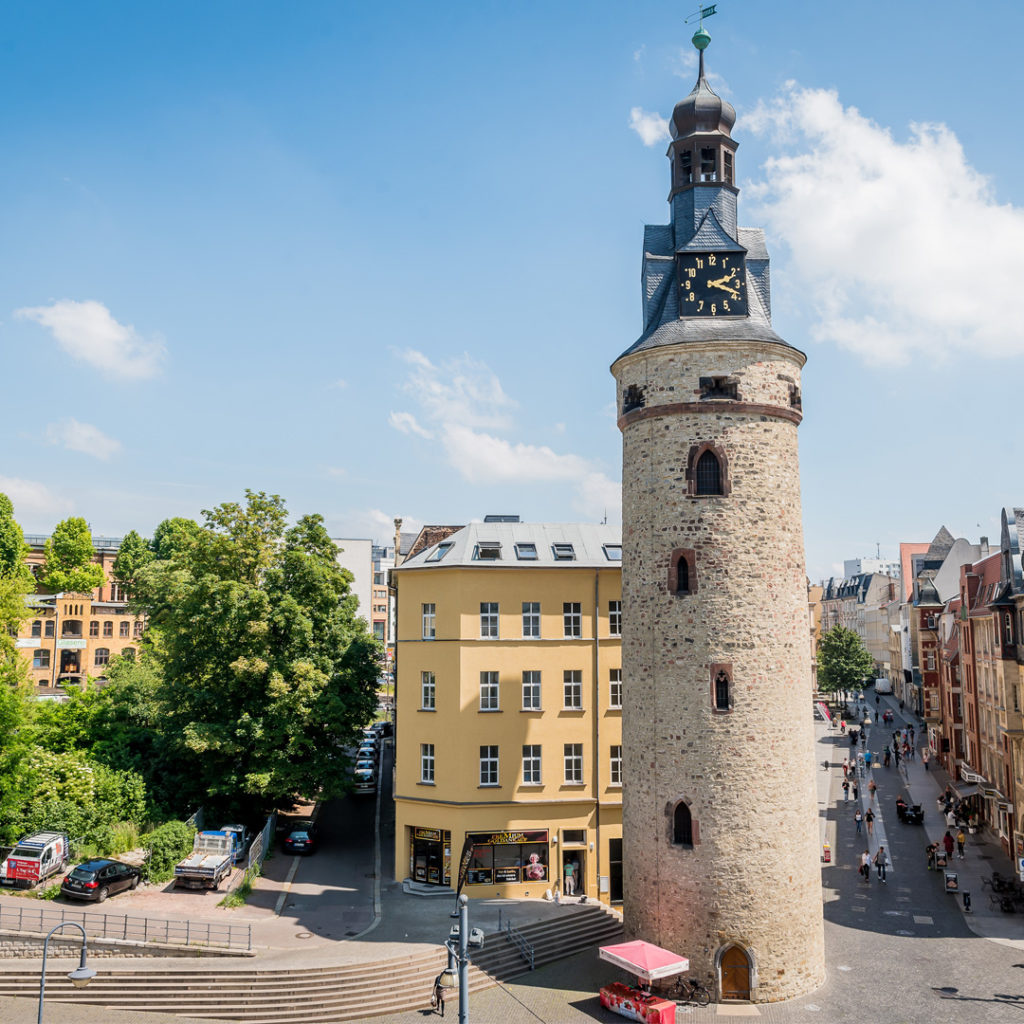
(878, 549)
(604, 521)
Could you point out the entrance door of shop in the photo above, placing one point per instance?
(428, 861)
(735, 967)
(615, 870)
(577, 858)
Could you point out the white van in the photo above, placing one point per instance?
(883, 686)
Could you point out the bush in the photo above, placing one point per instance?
(167, 845)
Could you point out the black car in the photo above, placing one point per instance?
(98, 879)
(300, 837)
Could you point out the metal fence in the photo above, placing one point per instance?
(258, 850)
(127, 928)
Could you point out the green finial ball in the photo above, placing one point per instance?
(701, 38)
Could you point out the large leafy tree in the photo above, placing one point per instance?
(843, 661)
(265, 670)
(132, 555)
(67, 559)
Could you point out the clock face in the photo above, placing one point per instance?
(712, 284)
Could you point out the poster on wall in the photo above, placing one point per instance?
(506, 874)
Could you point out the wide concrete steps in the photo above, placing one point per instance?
(319, 995)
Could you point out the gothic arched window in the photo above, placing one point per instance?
(709, 474)
(682, 825)
(722, 695)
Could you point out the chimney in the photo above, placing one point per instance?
(398, 541)
(984, 547)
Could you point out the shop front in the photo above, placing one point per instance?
(508, 858)
(430, 856)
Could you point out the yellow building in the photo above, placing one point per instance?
(509, 698)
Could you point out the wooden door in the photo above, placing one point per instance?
(735, 974)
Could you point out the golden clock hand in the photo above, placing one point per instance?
(733, 293)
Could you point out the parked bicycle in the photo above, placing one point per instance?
(686, 990)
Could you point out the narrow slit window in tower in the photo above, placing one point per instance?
(682, 826)
(682, 575)
(722, 701)
(709, 474)
(727, 167)
(707, 165)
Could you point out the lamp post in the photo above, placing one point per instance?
(457, 971)
(80, 976)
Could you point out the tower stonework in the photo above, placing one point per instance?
(720, 817)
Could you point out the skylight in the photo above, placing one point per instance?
(442, 550)
(613, 552)
(563, 552)
(487, 550)
(526, 552)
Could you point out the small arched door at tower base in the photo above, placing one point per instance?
(734, 970)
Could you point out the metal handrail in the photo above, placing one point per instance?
(525, 948)
(126, 928)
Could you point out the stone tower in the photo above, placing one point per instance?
(720, 819)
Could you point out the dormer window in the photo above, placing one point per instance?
(719, 387)
(707, 165)
(487, 551)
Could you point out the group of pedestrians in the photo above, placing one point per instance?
(880, 862)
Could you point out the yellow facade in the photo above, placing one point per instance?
(464, 689)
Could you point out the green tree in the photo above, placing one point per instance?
(843, 661)
(133, 554)
(67, 559)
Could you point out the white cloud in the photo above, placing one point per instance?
(900, 246)
(82, 437)
(340, 384)
(34, 502)
(652, 128)
(639, 52)
(88, 332)
(466, 407)
(406, 423)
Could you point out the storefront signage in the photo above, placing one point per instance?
(71, 645)
(506, 875)
(32, 642)
(537, 835)
(479, 876)
(433, 834)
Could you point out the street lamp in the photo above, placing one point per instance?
(457, 971)
(79, 977)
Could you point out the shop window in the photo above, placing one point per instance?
(494, 861)
(682, 826)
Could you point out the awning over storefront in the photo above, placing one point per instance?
(647, 961)
(964, 789)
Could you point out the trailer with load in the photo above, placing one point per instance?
(210, 861)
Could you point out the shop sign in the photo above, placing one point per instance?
(71, 645)
(506, 875)
(479, 876)
(537, 835)
(431, 834)
(32, 643)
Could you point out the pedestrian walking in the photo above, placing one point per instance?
(925, 757)
(871, 790)
(846, 789)
(870, 819)
(931, 849)
(865, 866)
(846, 767)
(951, 818)
(961, 839)
(947, 844)
(864, 735)
(437, 996)
(880, 863)
(867, 759)
(569, 886)
(858, 817)
(856, 789)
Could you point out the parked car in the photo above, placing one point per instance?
(364, 781)
(366, 764)
(368, 751)
(301, 837)
(98, 879)
(34, 859)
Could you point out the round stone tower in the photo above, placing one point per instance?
(720, 818)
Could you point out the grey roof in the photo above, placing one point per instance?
(711, 235)
(588, 542)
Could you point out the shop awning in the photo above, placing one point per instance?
(647, 961)
(964, 789)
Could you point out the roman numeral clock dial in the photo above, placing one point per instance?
(712, 284)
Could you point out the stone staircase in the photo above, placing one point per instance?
(320, 995)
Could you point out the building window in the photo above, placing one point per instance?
(722, 702)
(429, 621)
(572, 690)
(682, 826)
(531, 764)
(94, 628)
(613, 552)
(102, 655)
(487, 551)
(378, 630)
(572, 619)
(427, 763)
(489, 691)
(531, 619)
(1007, 628)
(428, 691)
(137, 629)
(728, 172)
(709, 474)
(37, 628)
(488, 766)
(563, 552)
(685, 168)
(128, 653)
(615, 618)
(682, 574)
(526, 552)
(50, 628)
(720, 387)
(615, 766)
(615, 688)
(488, 620)
(108, 628)
(41, 659)
(531, 691)
(929, 662)
(124, 629)
(707, 165)
(572, 756)
(434, 556)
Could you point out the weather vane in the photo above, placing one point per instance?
(701, 37)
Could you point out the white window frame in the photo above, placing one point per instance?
(615, 688)
(572, 763)
(427, 763)
(489, 766)
(429, 619)
(428, 691)
(488, 620)
(490, 691)
(615, 618)
(572, 620)
(531, 690)
(531, 620)
(572, 689)
(615, 765)
(532, 765)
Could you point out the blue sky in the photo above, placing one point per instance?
(379, 258)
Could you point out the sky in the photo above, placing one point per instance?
(378, 259)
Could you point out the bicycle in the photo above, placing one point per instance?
(685, 990)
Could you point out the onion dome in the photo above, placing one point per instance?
(703, 111)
